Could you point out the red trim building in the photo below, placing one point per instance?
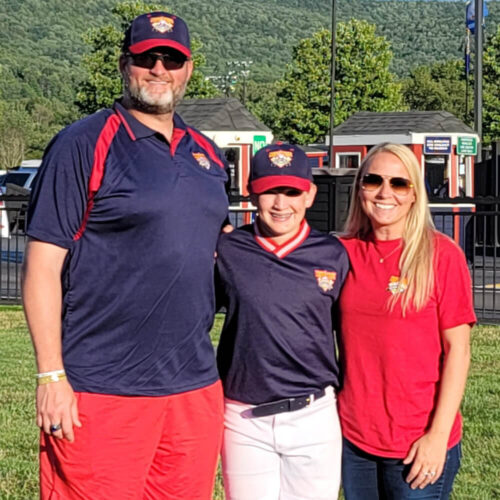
(444, 145)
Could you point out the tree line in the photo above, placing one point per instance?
(55, 76)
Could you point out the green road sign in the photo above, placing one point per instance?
(259, 141)
(467, 146)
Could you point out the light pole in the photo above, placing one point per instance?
(243, 70)
(332, 83)
(478, 75)
(230, 75)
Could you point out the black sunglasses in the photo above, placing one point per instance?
(399, 185)
(170, 60)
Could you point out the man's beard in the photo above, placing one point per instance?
(159, 104)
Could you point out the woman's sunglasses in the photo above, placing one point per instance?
(399, 185)
(170, 60)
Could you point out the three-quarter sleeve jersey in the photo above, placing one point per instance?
(140, 218)
(392, 363)
(277, 340)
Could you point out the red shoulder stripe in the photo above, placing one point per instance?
(177, 136)
(126, 125)
(206, 145)
(102, 146)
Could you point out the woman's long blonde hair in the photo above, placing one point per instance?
(416, 260)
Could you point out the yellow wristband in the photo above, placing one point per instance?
(53, 372)
(48, 379)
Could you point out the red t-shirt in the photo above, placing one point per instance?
(391, 364)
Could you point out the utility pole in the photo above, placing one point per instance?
(478, 75)
(332, 83)
(467, 68)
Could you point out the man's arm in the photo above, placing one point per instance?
(42, 298)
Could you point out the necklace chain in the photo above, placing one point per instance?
(384, 257)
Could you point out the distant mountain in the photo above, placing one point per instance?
(265, 31)
(41, 42)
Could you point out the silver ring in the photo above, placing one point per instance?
(432, 473)
(55, 427)
(429, 473)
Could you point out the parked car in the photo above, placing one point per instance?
(18, 182)
(21, 176)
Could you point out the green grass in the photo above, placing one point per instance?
(477, 480)
(18, 432)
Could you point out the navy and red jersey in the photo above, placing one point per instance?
(140, 218)
(277, 340)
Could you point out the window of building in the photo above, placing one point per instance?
(233, 158)
(347, 160)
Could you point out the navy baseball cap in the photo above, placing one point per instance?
(280, 165)
(157, 29)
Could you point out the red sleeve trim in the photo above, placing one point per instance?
(206, 145)
(100, 154)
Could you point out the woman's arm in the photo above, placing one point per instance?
(428, 453)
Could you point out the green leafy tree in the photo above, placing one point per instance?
(15, 130)
(363, 82)
(26, 127)
(199, 85)
(47, 118)
(491, 91)
(439, 87)
(260, 99)
(103, 83)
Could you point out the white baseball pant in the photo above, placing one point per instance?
(288, 456)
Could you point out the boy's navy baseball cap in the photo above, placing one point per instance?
(280, 165)
(157, 29)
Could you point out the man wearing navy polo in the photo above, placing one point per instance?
(118, 288)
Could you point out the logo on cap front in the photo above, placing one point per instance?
(162, 24)
(281, 158)
(325, 279)
(202, 160)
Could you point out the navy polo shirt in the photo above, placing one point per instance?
(140, 218)
(277, 341)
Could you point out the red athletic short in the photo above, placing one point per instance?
(137, 448)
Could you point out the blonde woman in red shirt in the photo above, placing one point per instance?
(406, 315)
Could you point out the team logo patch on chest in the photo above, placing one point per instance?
(281, 158)
(325, 279)
(396, 286)
(162, 24)
(202, 160)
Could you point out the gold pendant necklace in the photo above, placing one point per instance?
(384, 257)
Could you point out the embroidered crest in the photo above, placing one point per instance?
(325, 279)
(281, 158)
(202, 160)
(162, 24)
(395, 286)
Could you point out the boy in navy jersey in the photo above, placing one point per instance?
(279, 281)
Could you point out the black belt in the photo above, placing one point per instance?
(284, 405)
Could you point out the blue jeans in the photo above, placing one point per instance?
(369, 477)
